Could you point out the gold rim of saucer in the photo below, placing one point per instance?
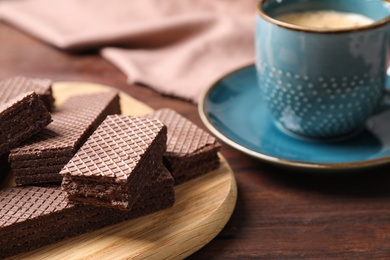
(376, 24)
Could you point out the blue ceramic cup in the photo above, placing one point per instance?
(322, 82)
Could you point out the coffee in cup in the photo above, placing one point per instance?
(326, 19)
(322, 82)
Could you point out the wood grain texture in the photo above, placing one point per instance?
(129, 105)
(202, 208)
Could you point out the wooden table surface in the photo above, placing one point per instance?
(280, 214)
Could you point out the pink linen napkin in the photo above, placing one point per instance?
(177, 47)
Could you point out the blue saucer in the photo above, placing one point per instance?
(233, 110)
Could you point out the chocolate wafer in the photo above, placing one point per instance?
(21, 117)
(31, 217)
(191, 151)
(12, 87)
(117, 161)
(40, 159)
(4, 169)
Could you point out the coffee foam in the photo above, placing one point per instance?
(326, 19)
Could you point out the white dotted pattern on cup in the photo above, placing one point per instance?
(321, 106)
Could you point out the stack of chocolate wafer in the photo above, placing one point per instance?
(115, 164)
(110, 167)
(24, 110)
(12, 87)
(21, 117)
(191, 151)
(40, 159)
(32, 217)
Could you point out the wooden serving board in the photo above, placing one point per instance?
(202, 208)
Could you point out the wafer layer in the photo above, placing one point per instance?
(4, 168)
(116, 162)
(21, 117)
(12, 87)
(31, 217)
(191, 151)
(40, 159)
